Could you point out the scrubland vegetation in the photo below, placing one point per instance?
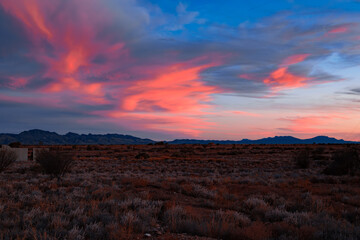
(6, 159)
(184, 192)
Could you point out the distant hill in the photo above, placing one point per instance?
(35, 136)
(269, 140)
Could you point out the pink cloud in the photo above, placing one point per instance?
(312, 124)
(38, 100)
(177, 124)
(243, 113)
(295, 59)
(247, 76)
(17, 82)
(30, 14)
(282, 79)
(177, 88)
(74, 42)
(174, 99)
(340, 29)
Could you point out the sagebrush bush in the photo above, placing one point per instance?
(344, 162)
(55, 163)
(303, 159)
(7, 157)
(142, 155)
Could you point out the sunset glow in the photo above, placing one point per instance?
(181, 69)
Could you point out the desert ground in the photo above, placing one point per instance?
(162, 191)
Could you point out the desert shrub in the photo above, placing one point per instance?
(200, 191)
(319, 152)
(7, 157)
(173, 216)
(344, 162)
(330, 228)
(254, 202)
(303, 159)
(139, 215)
(55, 163)
(276, 215)
(226, 225)
(255, 207)
(298, 218)
(221, 224)
(142, 155)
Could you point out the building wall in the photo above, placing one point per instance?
(22, 153)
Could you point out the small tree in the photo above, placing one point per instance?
(55, 163)
(7, 157)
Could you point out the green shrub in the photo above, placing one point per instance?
(7, 157)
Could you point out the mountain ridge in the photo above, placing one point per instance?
(36, 136)
(269, 140)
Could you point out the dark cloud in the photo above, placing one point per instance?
(12, 35)
(354, 91)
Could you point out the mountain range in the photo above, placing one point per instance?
(36, 136)
(269, 140)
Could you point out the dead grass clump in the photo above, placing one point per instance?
(344, 162)
(55, 163)
(7, 157)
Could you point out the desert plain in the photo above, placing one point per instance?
(194, 191)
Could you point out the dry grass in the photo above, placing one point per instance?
(7, 157)
(244, 192)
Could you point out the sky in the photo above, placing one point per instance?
(165, 69)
